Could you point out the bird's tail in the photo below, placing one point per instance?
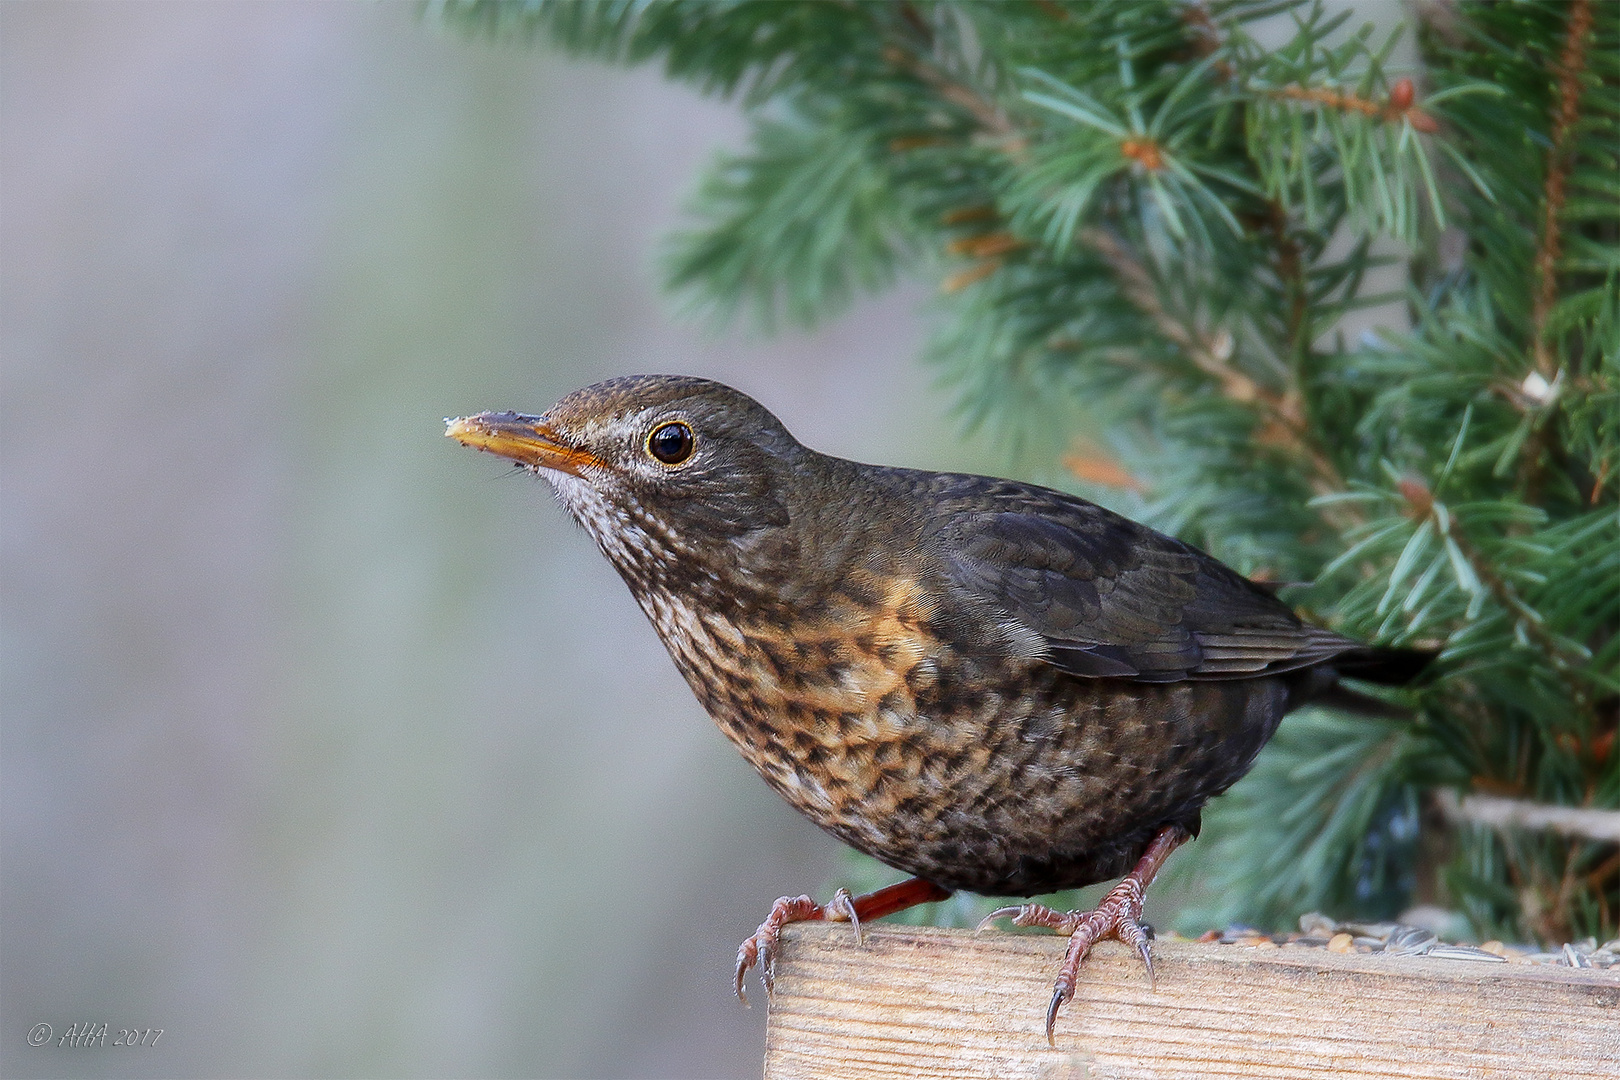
(1382, 667)
(1385, 667)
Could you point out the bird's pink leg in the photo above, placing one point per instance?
(761, 947)
(1118, 916)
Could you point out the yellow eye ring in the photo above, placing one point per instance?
(671, 443)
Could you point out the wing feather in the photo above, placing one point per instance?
(1111, 598)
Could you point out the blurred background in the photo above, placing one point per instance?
(331, 748)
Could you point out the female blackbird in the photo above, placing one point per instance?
(986, 684)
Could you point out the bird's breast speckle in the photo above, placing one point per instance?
(970, 774)
(825, 705)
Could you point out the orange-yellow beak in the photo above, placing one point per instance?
(525, 439)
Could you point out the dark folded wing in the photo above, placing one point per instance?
(1114, 599)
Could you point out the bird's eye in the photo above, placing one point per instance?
(671, 443)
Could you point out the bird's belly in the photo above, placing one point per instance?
(1053, 783)
(1003, 778)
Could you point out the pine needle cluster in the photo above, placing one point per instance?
(1150, 222)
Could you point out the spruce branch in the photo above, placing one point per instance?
(988, 115)
(1569, 70)
(1283, 423)
(1479, 575)
(1290, 270)
(1571, 65)
(1397, 106)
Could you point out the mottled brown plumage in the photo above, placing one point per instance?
(986, 684)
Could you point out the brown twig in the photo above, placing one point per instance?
(1144, 151)
(1282, 413)
(963, 278)
(1420, 506)
(902, 143)
(985, 245)
(964, 214)
(989, 115)
(1398, 106)
(914, 18)
(1206, 39)
(1290, 271)
(1053, 10)
(1571, 63)
(990, 249)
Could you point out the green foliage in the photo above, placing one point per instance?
(798, 227)
(1157, 216)
(1343, 796)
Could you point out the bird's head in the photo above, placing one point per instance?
(671, 475)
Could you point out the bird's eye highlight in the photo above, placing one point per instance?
(671, 443)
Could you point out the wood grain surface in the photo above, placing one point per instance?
(945, 1003)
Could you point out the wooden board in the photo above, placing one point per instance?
(944, 1003)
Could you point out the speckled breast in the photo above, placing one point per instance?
(998, 775)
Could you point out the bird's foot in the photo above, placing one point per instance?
(1119, 916)
(761, 947)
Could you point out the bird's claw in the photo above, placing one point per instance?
(1061, 993)
(842, 909)
(1032, 915)
(761, 946)
(1000, 913)
(748, 954)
